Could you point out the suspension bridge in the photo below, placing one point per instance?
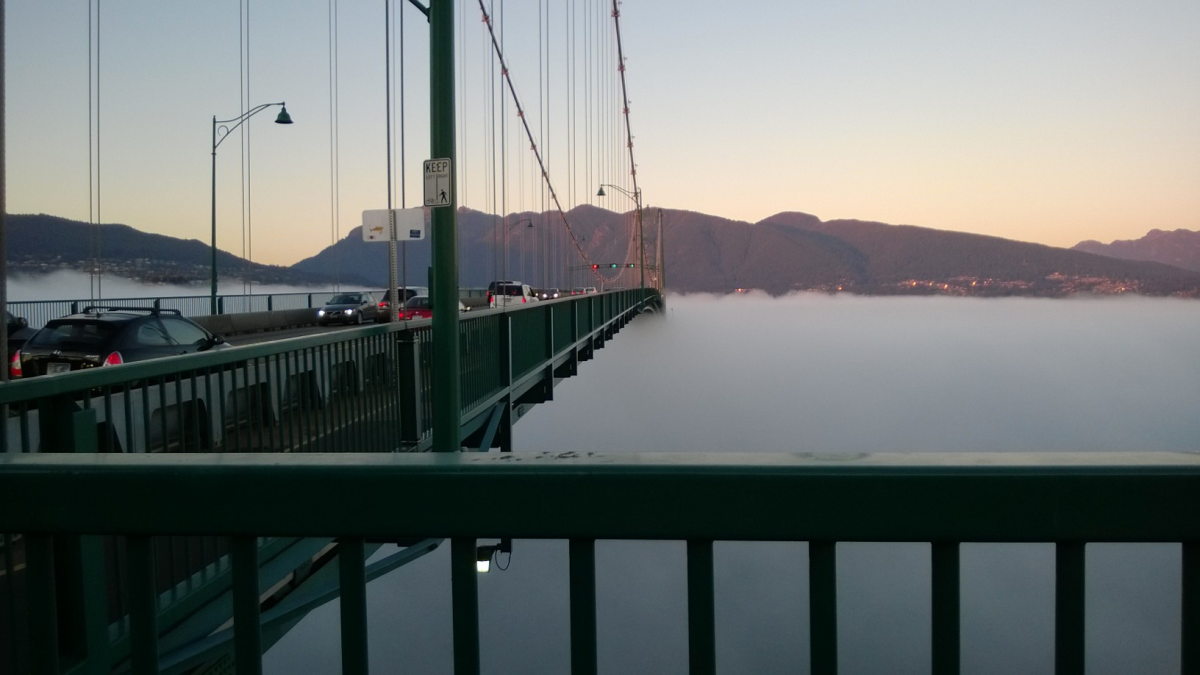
(181, 515)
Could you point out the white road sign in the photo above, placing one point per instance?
(438, 188)
(410, 224)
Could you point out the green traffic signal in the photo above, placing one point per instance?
(614, 266)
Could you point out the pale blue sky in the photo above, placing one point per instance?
(1041, 121)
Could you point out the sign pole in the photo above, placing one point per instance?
(447, 395)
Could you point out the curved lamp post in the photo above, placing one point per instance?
(220, 131)
(636, 196)
(508, 228)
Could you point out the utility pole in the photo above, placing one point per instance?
(447, 394)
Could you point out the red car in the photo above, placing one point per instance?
(418, 307)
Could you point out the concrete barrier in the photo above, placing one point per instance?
(253, 322)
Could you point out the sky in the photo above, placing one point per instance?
(1046, 122)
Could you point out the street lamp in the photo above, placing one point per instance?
(636, 196)
(507, 229)
(219, 133)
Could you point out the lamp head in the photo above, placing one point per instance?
(283, 117)
(601, 192)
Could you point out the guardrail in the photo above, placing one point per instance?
(38, 312)
(1066, 499)
(365, 388)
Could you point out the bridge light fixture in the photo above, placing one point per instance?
(483, 555)
(220, 131)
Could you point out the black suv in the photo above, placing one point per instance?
(110, 336)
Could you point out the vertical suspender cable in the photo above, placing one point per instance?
(496, 245)
(335, 229)
(241, 137)
(403, 172)
(393, 286)
(4, 240)
(99, 254)
(541, 139)
(503, 159)
(99, 240)
(249, 174)
(91, 168)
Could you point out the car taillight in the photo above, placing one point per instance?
(524, 299)
(382, 305)
(489, 297)
(113, 359)
(14, 365)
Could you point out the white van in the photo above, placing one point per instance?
(505, 293)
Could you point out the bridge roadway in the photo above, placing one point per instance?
(311, 389)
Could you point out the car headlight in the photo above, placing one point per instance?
(348, 312)
(320, 312)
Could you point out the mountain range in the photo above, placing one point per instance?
(1180, 248)
(786, 252)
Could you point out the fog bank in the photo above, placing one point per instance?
(814, 373)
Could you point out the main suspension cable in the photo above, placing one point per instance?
(507, 79)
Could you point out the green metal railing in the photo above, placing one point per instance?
(944, 499)
(351, 390)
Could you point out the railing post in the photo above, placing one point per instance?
(221, 305)
(408, 351)
(1069, 608)
(702, 650)
(548, 373)
(946, 653)
(247, 630)
(506, 378)
(465, 601)
(43, 604)
(351, 561)
(270, 303)
(583, 606)
(143, 607)
(78, 582)
(822, 606)
(1190, 653)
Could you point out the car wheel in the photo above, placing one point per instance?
(358, 318)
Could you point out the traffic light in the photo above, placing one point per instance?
(614, 266)
(595, 267)
(630, 265)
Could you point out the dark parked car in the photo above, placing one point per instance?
(348, 308)
(385, 305)
(110, 336)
